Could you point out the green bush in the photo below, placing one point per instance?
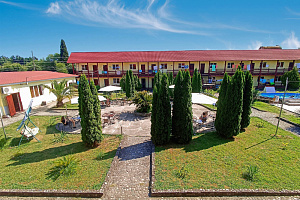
(65, 166)
(293, 76)
(60, 138)
(142, 100)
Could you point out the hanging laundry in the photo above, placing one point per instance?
(213, 68)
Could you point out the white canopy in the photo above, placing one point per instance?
(172, 86)
(110, 88)
(75, 99)
(203, 99)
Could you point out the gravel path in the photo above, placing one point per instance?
(273, 119)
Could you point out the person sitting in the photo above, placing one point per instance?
(67, 120)
(203, 117)
(64, 120)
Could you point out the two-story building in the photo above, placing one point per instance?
(106, 68)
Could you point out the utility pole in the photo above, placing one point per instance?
(33, 61)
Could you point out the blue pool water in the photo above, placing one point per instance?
(287, 95)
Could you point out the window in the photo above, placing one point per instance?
(181, 65)
(36, 90)
(164, 66)
(281, 64)
(264, 64)
(116, 80)
(211, 64)
(132, 66)
(229, 65)
(84, 67)
(115, 66)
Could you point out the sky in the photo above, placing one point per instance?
(146, 25)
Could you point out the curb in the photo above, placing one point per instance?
(52, 193)
(258, 109)
(220, 193)
(152, 170)
(206, 107)
(287, 121)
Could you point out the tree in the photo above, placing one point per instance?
(182, 127)
(61, 67)
(60, 90)
(171, 78)
(90, 133)
(195, 82)
(154, 131)
(247, 100)
(293, 76)
(64, 55)
(133, 83)
(163, 118)
(221, 117)
(199, 79)
(128, 85)
(234, 101)
(97, 131)
(123, 82)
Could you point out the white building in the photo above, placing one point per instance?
(18, 88)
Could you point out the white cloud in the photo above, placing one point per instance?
(54, 8)
(20, 5)
(292, 42)
(255, 45)
(112, 13)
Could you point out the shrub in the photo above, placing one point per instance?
(293, 76)
(60, 138)
(100, 155)
(142, 100)
(65, 166)
(249, 175)
(247, 100)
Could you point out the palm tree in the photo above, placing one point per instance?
(61, 91)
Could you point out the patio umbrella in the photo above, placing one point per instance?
(101, 98)
(74, 100)
(110, 88)
(172, 86)
(203, 99)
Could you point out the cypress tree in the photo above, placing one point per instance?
(182, 127)
(154, 125)
(171, 78)
(96, 135)
(221, 118)
(163, 114)
(195, 82)
(64, 55)
(199, 79)
(247, 100)
(82, 81)
(234, 104)
(128, 85)
(133, 83)
(123, 82)
(157, 79)
(293, 75)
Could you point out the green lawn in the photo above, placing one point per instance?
(276, 110)
(26, 167)
(69, 106)
(211, 162)
(212, 107)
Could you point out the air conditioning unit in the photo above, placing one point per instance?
(7, 90)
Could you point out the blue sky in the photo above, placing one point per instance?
(130, 25)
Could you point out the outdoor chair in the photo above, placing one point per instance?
(29, 133)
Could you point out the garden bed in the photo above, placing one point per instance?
(27, 166)
(210, 162)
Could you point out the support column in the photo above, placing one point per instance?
(148, 76)
(277, 65)
(261, 63)
(138, 69)
(88, 71)
(173, 68)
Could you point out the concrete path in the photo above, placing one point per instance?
(273, 119)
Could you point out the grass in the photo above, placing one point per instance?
(114, 96)
(212, 107)
(69, 106)
(211, 162)
(27, 166)
(276, 110)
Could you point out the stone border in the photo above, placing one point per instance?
(52, 193)
(287, 121)
(211, 193)
(206, 107)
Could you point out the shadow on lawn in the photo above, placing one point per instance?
(139, 150)
(203, 141)
(51, 153)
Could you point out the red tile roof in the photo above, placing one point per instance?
(29, 76)
(196, 55)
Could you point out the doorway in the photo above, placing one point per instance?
(14, 103)
(143, 67)
(106, 82)
(202, 68)
(191, 67)
(143, 83)
(105, 68)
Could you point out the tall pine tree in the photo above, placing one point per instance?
(64, 55)
(163, 114)
(247, 100)
(195, 82)
(128, 85)
(199, 79)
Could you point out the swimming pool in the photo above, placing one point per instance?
(287, 95)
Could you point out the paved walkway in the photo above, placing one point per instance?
(273, 119)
